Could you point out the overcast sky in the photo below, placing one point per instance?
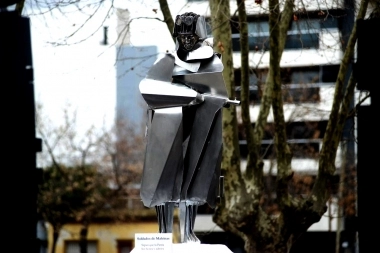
(83, 74)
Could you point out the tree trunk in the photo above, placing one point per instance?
(240, 210)
(55, 239)
(221, 30)
(337, 119)
(167, 16)
(83, 239)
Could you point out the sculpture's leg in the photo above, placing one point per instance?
(160, 219)
(194, 209)
(182, 220)
(168, 216)
(187, 218)
(165, 217)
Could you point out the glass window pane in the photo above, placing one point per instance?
(73, 247)
(304, 77)
(330, 73)
(302, 41)
(258, 28)
(124, 246)
(305, 24)
(258, 43)
(236, 44)
(301, 95)
(329, 22)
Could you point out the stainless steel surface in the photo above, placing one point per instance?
(184, 130)
(160, 94)
(208, 79)
(203, 157)
(187, 216)
(163, 158)
(165, 217)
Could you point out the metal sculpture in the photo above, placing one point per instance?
(185, 93)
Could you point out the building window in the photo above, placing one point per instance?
(300, 84)
(124, 246)
(304, 139)
(305, 41)
(73, 247)
(302, 34)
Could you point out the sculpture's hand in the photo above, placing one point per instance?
(231, 102)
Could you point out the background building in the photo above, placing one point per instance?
(309, 64)
(132, 64)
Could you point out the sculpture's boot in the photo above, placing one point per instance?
(165, 217)
(188, 213)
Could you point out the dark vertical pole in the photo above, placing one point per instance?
(105, 35)
(19, 188)
(367, 73)
(348, 235)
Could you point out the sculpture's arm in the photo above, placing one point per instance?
(162, 69)
(159, 91)
(163, 94)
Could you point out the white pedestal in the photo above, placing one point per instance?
(196, 248)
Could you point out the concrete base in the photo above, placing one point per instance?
(196, 248)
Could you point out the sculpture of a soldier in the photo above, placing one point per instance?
(185, 93)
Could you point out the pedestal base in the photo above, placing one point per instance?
(196, 248)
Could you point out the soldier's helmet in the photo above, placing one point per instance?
(189, 27)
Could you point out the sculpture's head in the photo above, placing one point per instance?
(189, 29)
